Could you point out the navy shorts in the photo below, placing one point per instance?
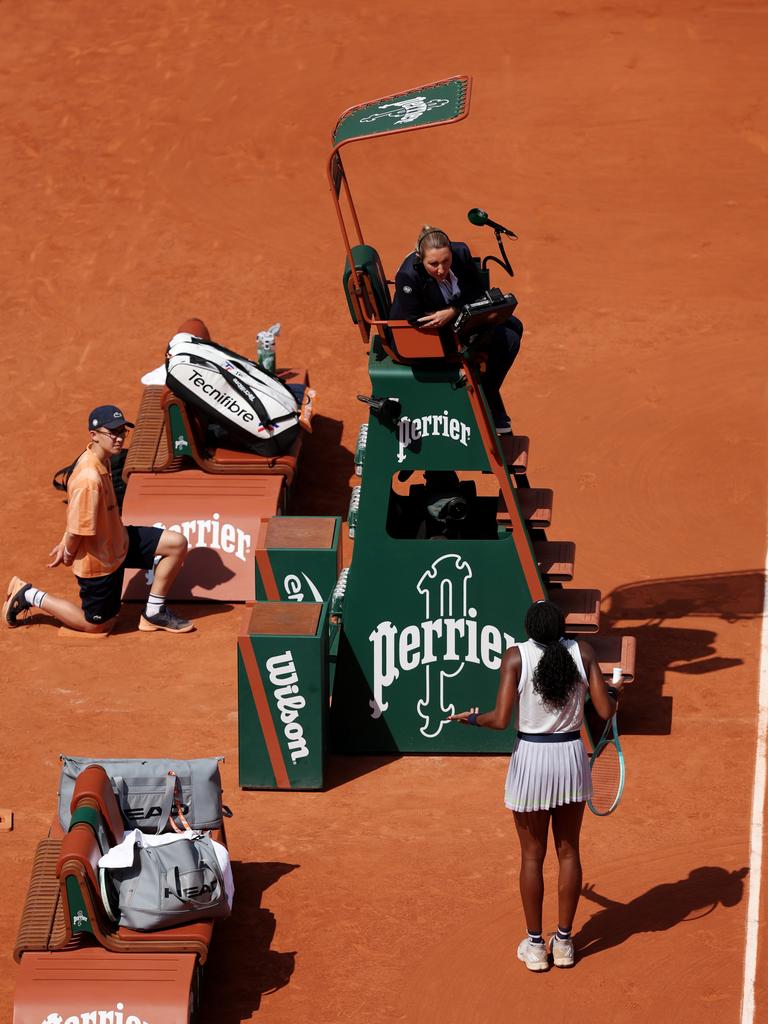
(100, 596)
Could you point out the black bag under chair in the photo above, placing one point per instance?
(247, 403)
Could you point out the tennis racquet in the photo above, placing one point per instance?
(606, 764)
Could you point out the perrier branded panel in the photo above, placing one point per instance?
(283, 695)
(426, 618)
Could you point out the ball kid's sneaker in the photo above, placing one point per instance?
(164, 619)
(15, 602)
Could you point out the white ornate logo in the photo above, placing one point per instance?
(410, 431)
(449, 638)
(212, 533)
(79, 919)
(180, 443)
(405, 111)
(101, 1016)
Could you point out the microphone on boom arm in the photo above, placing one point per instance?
(480, 218)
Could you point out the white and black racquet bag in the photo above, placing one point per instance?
(251, 406)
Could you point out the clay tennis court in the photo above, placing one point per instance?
(168, 161)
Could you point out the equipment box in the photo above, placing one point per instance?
(298, 558)
(282, 686)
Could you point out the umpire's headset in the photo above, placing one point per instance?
(425, 231)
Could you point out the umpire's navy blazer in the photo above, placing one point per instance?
(417, 293)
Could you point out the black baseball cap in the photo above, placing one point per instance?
(108, 416)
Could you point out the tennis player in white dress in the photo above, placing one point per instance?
(546, 680)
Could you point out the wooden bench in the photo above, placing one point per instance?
(43, 925)
(64, 907)
(71, 955)
(168, 434)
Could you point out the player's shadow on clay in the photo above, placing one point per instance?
(242, 967)
(662, 614)
(659, 909)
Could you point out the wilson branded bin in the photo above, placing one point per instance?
(283, 695)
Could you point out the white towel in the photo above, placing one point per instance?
(156, 376)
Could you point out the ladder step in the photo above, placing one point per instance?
(580, 607)
(514, 448)
(555, 558)
(535, 506)
(615, 652)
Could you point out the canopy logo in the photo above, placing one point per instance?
(284, 677)
(411, 431)
(114, 1016)
(448, 638)
(405, 111)
(212, 533)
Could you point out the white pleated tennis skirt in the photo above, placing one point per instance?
(546, 775)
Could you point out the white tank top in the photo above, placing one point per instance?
(533, 715)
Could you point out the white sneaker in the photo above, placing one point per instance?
(562, 951)
(533, 954)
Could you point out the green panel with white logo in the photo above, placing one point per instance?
(426, 618)
(179, 440)
(78, 914)
(428, 105)
(283, 675)
(303, 573)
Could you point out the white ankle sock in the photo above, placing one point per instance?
(35, 597)
(155, 604)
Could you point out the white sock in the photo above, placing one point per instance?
(155, 604)
(35, 597)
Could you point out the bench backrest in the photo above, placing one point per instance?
(93, 789)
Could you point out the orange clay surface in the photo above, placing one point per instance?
(167, 161)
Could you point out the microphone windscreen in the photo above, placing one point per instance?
(477, 216)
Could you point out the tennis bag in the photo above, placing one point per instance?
(147, 793)
(166, 886)
(257, 410)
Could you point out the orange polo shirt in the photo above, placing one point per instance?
(93, 515)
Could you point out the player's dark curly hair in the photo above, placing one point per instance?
(556, 674)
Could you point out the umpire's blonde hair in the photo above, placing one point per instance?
(431, 238)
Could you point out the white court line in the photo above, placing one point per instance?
(756, 831)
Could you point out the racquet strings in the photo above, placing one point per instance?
(606, 779)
